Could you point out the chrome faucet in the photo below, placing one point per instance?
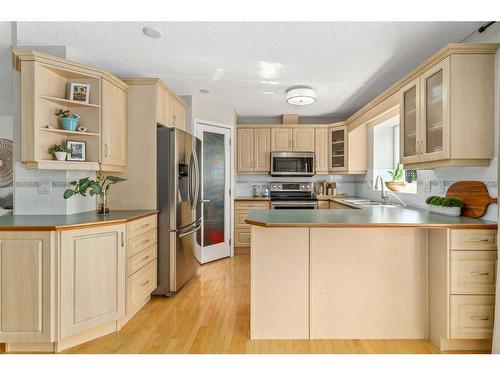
(384, 198)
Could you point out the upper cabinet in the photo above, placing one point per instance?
(50, 83)
(292, 139)
(114, 127)
(447, 113)
(347, 149)
(253, 150)
(338, 148)
(170, 110)
(321, 150)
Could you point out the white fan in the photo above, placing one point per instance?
(5, 162)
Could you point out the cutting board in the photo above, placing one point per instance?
(475, 196)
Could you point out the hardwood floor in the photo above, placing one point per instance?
(211, 315)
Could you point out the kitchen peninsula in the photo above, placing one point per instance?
(68, 279)
(380, 272)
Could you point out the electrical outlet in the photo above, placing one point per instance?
(44, 187)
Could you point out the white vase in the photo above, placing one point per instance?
(448, 211)
(61, 155)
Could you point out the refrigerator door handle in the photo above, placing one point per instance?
(197, 178)
(190, 232)
(190, 181)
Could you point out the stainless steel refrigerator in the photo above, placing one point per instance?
(179, 202)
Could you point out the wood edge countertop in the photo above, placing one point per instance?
(73, 221)
(251, 198)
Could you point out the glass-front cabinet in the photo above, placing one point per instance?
(424, 116)
(338, 148)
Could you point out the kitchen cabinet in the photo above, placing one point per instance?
(462, 288)
(179, 115)
(241, 211)
(446, 113)
(92, 277)
(292, 139)
(253, 150)
(26, 286)
(338, 148)
(321, 150)
(114, 127)
(164, 106)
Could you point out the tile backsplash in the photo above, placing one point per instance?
(40, 192)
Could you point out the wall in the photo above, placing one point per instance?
(437, 181)
(201, 108)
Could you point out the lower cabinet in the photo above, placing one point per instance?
(462, 292)
(241, 229)
(92, 277)
(61, 288)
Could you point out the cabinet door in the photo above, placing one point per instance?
(338, 149)
(179, 117)
(281, 139)
(92, 263)
(321, 149)
(164, 106)
(303, 140)
(435, 124)
(409, 120)
(245, 150)
(114, 125)
(262, 150)
(27, 287)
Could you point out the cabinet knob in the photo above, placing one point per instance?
(106, 150)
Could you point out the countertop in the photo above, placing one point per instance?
(65, 222)
(377, 216)
(251, 198)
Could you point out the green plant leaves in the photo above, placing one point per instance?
(114, 179)
(444, 202)
(68, 193)
(86, 186)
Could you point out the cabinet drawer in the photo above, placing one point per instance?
(140, 285)
(323, 204)
(239, 219)
(474, 239)
(242, 237)
(139, 243)
(471, 317)
(139, 260)
(473, 272)
(251, 205)
(140, 226)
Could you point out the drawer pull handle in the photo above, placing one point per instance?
(145, 241)
(147, 282)
(146, 257)
(479, 318)
(479, 240)
(145, 225)
(479, 273)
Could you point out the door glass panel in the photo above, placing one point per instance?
(434, 113)
(410, 122)
(213, 188)
(338, 148)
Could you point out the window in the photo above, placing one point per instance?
(386, 154)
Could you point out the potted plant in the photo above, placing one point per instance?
(398, 182)
(59, 151)
(444, 206)
(98, 187)
(68, 121)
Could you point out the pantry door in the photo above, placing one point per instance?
(214, 240)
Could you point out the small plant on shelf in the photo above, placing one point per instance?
(98, 187)
(60, 152)
(398, 182)
(68, 121)
(445, 206)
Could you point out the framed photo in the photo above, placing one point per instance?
(79, 92)
(77, 150)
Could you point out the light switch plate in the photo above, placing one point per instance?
(44, 187)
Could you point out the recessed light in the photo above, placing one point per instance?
(152, 32)
(204, 91)
(301, 96)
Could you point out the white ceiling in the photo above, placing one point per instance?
(251, 64)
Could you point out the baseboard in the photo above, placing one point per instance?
(26, 347)
(464, 344)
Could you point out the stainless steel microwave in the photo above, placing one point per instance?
(292, 164)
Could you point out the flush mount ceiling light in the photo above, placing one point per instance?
(301, 96)
(152, 32)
